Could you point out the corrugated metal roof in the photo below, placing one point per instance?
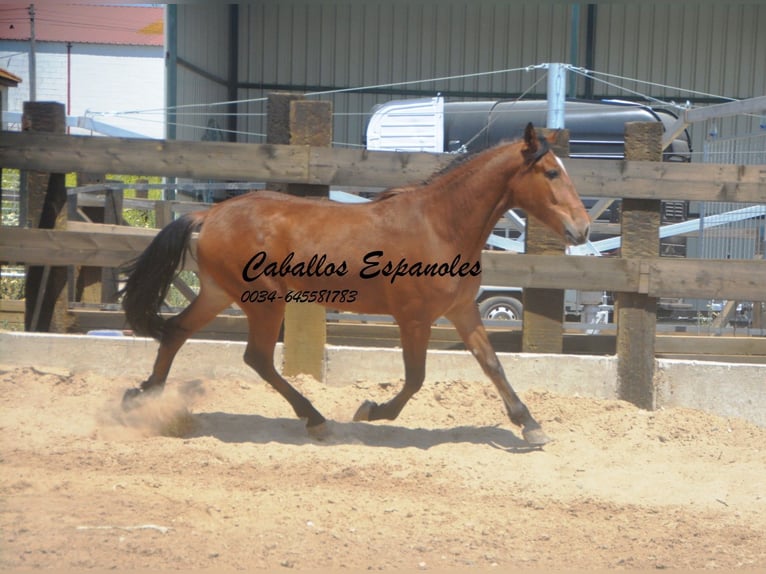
(83, 24)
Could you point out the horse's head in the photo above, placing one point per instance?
(543, 189)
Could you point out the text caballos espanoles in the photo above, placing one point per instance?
(374, 264)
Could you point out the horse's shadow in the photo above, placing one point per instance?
(257, 429)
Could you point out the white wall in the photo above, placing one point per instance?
(102, 78)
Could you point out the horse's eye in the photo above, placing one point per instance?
(552, 173)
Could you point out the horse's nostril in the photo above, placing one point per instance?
(577, 236)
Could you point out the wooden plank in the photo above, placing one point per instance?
(231, 327)
(188, 293)
(547, 271)
(98, 249)
(363, 168)
(48, 247)
(87, 199)
(669, 181)
(12, 314)
(223, 327)
(359, 167)
(711, 345)
(744, 280)
(218, 160)
(110, 229)
(708, 279)
(739, 359)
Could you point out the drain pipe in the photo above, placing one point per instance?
(68, 82)
(32, 55)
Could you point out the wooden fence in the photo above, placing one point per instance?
(649, 276)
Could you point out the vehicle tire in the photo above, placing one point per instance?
(501, 309)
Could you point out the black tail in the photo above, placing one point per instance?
(150, 275)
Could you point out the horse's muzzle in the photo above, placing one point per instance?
(576, 235)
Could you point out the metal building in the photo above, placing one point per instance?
(224, 59)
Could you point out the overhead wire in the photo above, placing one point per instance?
(589, 73)
(185, 107)
(612, 80)
(413, 82)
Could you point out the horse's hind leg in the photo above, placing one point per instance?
(210, 301)
(264, 320)
(414, 338)
(468, 323)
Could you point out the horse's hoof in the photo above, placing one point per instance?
(536, 437)
(364, 411)
(130, 398)
(320, 431)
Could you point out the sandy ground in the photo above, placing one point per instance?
(219, 474)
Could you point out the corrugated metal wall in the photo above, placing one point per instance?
(716, 49)
(710, 49)
(335, 45)
(202, 71)
(354, 44)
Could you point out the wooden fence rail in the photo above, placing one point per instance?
(352, 167)
(101, 245)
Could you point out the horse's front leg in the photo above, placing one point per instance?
(468, 323)
(414, 337)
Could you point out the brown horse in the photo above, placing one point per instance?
(413, 253)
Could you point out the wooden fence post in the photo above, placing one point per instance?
(305, 326)
(113, 201)
(543, 319)
(43, 198)
(88, 284)
(278, 125)
(636, 313)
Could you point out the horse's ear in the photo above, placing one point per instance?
(531, 143)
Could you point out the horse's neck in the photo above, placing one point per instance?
(468, 203)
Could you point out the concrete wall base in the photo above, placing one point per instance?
(726, 389)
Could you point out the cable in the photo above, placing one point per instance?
(411, 82)
(493, 119)
(586, 72)
(591, 74)
(346, 90)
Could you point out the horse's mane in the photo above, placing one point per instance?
(394, 191)
(460, 160)
(456, 162)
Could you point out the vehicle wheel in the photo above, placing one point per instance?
(501, 309)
